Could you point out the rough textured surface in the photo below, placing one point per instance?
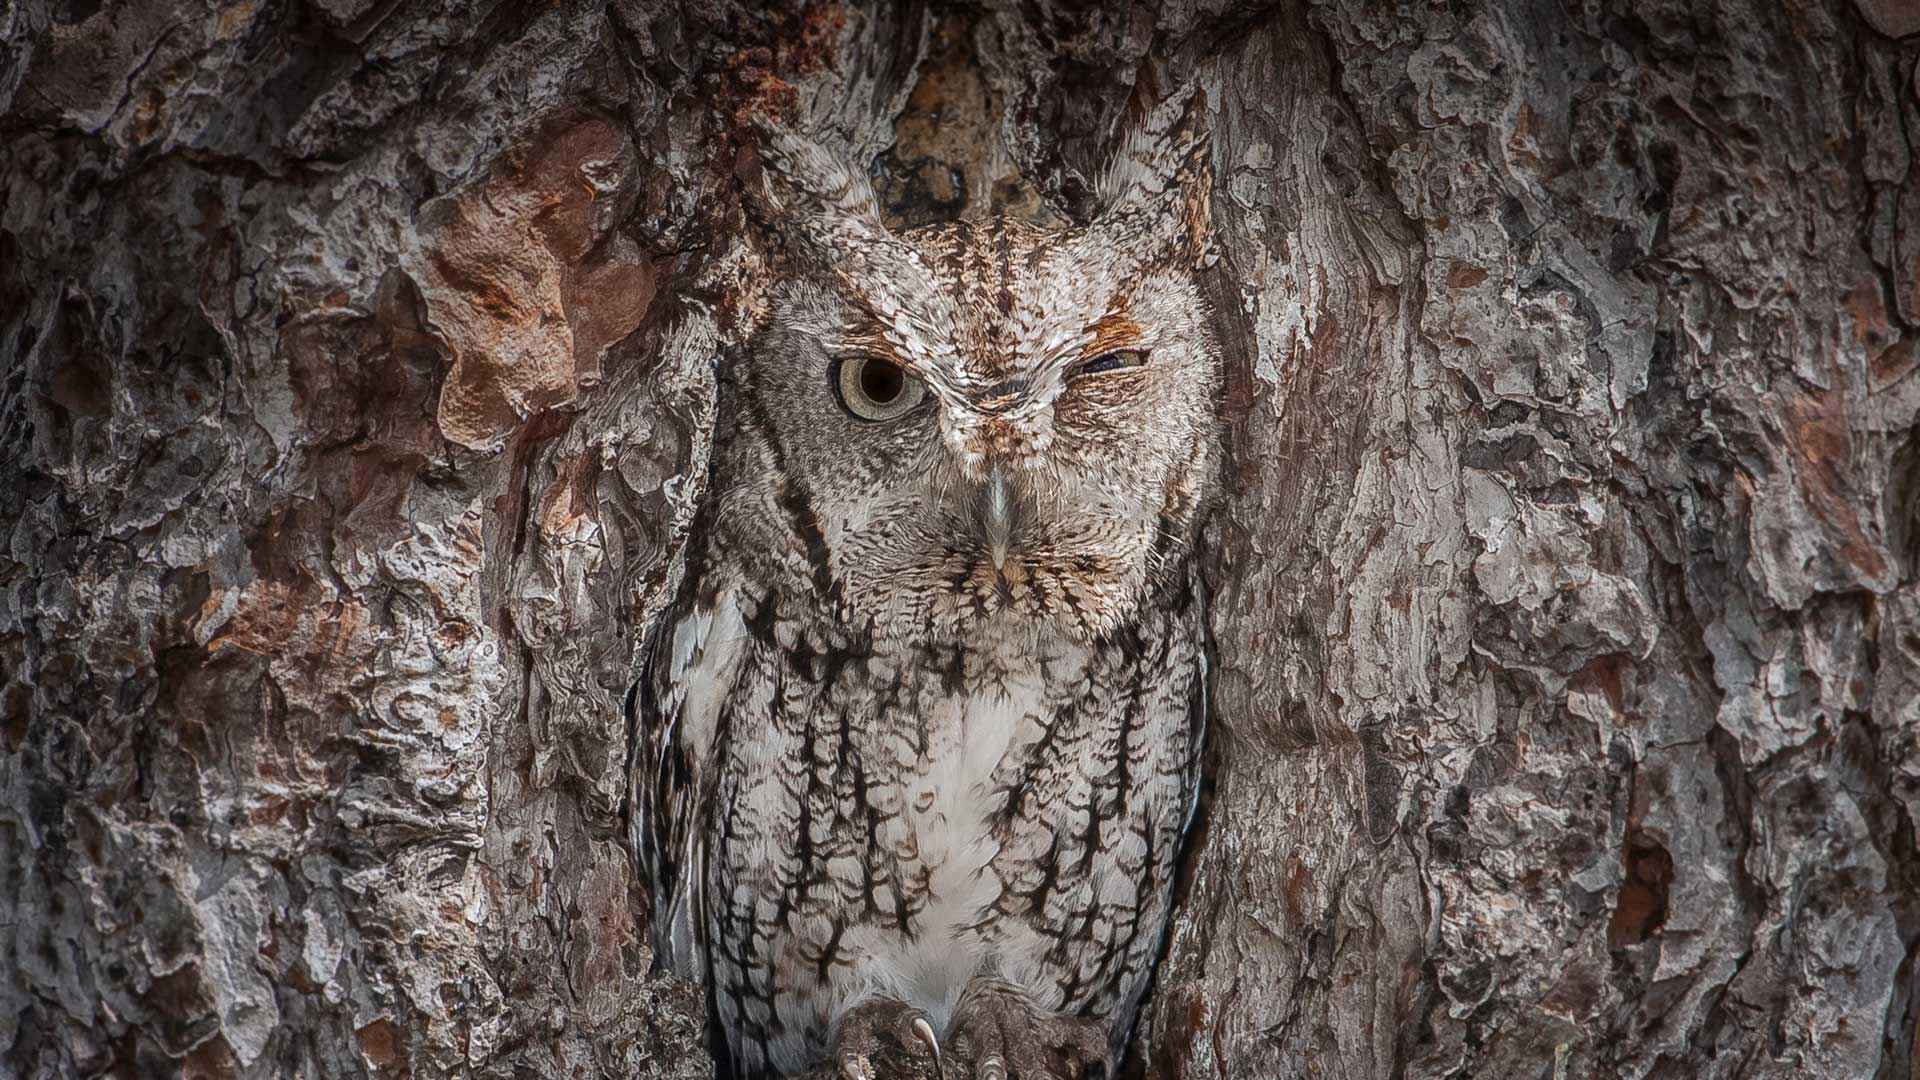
(355, 384)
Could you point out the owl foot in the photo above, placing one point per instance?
(997, 1034)
(883, 1039)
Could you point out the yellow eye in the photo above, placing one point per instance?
(876, 389)
(1118, 360)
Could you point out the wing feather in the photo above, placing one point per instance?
(674, 715)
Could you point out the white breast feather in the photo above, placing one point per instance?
(706, 649)
(953, 837)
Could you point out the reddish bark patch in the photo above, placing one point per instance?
(1576, 994)
(382, 1046)
(211, 1060)
(1824, 446)
(1465, 275)
(1868, 310)
(185, 1008)
(1526, 146)
(527, 280)
(1642, 907)
(788, 42)
(1183, 1024)
(1607, 676)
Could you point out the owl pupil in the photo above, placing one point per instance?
(881, 382)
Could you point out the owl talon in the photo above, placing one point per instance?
(1001, 1035)
(885, 1038)
(924, 1031)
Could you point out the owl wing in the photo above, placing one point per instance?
(673, 714)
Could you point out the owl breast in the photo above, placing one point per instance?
(910, 816)
(949, 833)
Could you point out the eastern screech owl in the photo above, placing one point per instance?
(920, 737)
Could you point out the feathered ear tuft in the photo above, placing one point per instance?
(808, 192)
(1164, 172)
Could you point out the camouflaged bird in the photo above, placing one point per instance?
(920, 737)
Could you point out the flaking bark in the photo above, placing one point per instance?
(356, 368)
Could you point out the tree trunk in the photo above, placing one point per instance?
(357, 386)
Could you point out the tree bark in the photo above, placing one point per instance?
(358, 366)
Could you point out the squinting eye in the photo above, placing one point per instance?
(876, 389)
(1111, 361)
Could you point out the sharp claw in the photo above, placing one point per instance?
(992, 1068)
(924, 1031)
(855, 1067)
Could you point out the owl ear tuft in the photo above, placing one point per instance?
(1163, 171)
(806, 190)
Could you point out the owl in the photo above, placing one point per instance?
(919, 738)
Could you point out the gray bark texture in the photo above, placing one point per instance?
(356, 368)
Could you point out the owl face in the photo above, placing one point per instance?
(989, 426)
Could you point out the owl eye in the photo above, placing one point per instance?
(876, 389)
(1116, 360)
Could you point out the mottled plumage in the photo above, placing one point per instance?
(923, 726)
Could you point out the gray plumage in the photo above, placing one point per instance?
(922, 729)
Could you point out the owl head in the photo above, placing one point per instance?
(987, 427)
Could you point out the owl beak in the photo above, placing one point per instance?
(997, 515)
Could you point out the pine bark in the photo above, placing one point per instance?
(356, 368)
